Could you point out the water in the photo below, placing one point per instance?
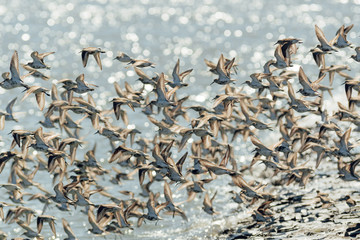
(162, 31)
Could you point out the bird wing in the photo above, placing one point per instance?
(10, 106)
(14, 66)
(84, 57)
(303, 79)
(43, 55)
(98, 60)
(40, 99)
(320, 36)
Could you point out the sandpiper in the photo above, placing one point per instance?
(39, 94)
(15, 80)
(123, 57)
(324, 44)
(163, 95)
(281, 60)
(356, 57)
(35, 72)
(38, 60)
(68, 230)
(309, 88)
(136, 63)
(340, 40)
(208, 204)
(85, 52)
(178, 77)
(46, 218)
(223, 71)
(9, 107)
(81, 85)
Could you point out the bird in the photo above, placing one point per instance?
(15, 80)
(262, 150)
(2, 205)
(248, 190)
(309, 88)
(223, 72)
(274, 84)
(325, 200)
(153, 211)
(2, 119)
(5, 157)
(46, 218)
(332, 69)
(324, 44)
(73, 143)
(288, 43)
(61, 194)
(263, 213)
(9, 111)
(39, 142)
(330, 126)
(39, 92)
(340, 39)
(356, 57)
(163, 95)
(267, 66)
(85, 52)
(321, 151)
(256, 81)
(208, 204)
(35, 72)
(343, 147)
(38, 60)
(297, 104)
(170, 205)
(145, 79)
(82, 86)
(229, 63)
(319, 56)
(252, 120)
(123, 57)
(349, 201)
(216, 169)
(67, 229)
(347, 170)
(178, 77)
(3, 235)
(281, 60)
(141, 63)
(29, 231)
(136, 63)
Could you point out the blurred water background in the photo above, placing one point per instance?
(161, 31)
